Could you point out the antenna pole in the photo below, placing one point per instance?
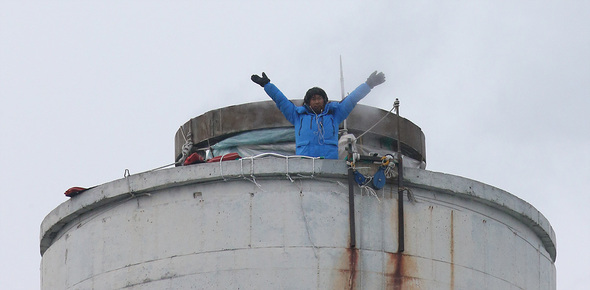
(345, 127)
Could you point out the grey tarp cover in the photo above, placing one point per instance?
(282, 141)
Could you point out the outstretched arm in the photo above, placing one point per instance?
(360, 92)
(285, 106)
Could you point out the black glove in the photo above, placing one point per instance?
(262, 81)
(375, 79)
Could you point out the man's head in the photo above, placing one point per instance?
(316, 99)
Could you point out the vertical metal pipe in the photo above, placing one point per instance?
(351, 196)
(351, 207)
(400, 210)
(400, 191)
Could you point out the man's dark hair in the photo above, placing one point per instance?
(315, 91)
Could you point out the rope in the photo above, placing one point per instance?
(375, 123)
(187, 146)
(252, 175)
(370, 191)
(409, 193)
(242, 175)
(390, 171)
(182, 131)
(252, 158)
(341, 184)
(288, 176)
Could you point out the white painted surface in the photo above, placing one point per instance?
(206, 227)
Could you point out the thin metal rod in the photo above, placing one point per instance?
(344, 126)
(400, 186)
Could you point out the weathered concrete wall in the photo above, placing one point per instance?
(213, 126)
(208, 227)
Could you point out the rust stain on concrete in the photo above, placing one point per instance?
(347, 270)
(399, 270)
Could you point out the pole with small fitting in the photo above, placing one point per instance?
(351, 218)
(345, 127)
(400, 177)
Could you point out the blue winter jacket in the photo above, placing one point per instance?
(316, 135)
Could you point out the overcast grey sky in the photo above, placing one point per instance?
(89, 88)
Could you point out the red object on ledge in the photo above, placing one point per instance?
(73, 191)
(193, 158)
(226, 157)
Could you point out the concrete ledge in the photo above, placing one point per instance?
(282, 168)
(487, 194)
